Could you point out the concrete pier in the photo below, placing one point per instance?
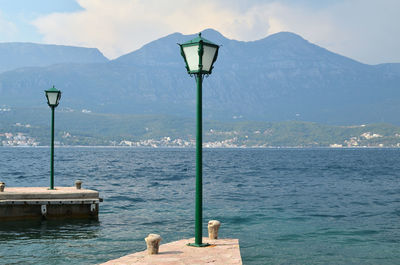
(20, 203)
(221, 252)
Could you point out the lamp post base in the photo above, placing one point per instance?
(198, 245)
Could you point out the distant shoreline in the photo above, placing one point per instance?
(187, 148)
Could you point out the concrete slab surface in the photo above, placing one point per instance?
(32, 193)
(25, 203)
(221, 252)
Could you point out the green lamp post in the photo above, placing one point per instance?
(53, 96)
(199, 55)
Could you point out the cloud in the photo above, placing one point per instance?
(8, 30)
(365, 30)
(120, 26)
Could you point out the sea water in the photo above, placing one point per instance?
(286, 206)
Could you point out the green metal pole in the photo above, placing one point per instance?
(198, 240)
(52, 150)
(199, 164)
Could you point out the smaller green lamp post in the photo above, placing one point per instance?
(199, 55)
(53, 96)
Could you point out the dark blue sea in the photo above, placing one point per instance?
(286, 206)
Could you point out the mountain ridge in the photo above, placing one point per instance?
(280, 77)
(14, 55)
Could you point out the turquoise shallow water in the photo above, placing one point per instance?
(287, 206)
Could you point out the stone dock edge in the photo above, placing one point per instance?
(220, 252)
(24, 203)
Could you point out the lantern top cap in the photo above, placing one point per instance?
(52, 89)
(199, 39)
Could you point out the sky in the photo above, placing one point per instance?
(364, 30)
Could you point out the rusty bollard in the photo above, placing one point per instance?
(213, 227)
(2, 186)
(153, 243)
(78, 184)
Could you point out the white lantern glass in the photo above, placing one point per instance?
(192, 57)
(208, 57)
(52, 98)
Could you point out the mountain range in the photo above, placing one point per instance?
(277, 78)
(15, 55)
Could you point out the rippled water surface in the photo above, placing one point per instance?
(287, 206)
